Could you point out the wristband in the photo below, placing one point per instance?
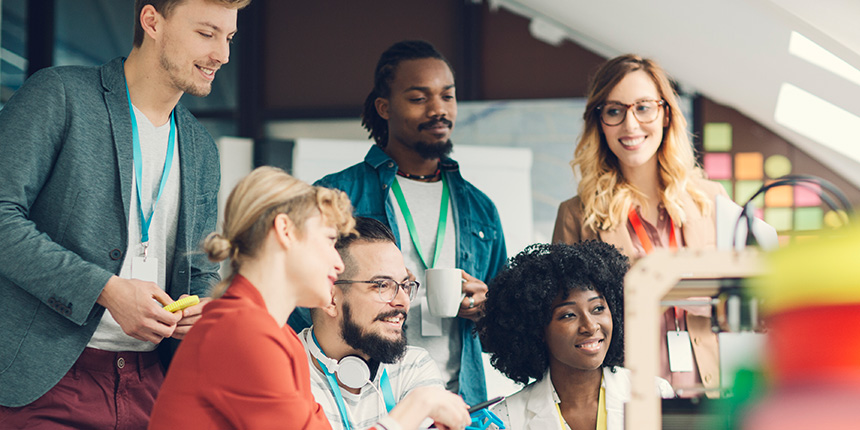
(387, 423)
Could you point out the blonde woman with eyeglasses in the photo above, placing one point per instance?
(640, 187)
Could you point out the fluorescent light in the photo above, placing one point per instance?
(800, 46)
(546, 32)
(818, 120)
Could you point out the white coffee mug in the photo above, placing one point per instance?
(444, 291)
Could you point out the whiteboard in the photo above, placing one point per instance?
(502, 173)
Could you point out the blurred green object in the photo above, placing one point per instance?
(748, 388)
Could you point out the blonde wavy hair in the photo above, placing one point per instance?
(253, 205)
(606, 196)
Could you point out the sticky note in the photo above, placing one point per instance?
(781, 196)
(745, 189)
(804, 196)
(808, 218)
(776, 166)
(749, 165)
(718, 165)
(779, 218)
(834, 219)
(717, 137)
(800, 239)
(728, 186)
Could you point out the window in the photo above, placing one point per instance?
(817, 119)
(13, 47)
(800, 46)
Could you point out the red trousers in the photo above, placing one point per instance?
(102, 390)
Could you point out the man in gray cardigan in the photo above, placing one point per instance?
(102, 206)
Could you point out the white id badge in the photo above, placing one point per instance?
(430, 325)
(680, 351)
(145, 270)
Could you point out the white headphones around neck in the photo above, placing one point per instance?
(351, 370)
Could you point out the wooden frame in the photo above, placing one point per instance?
(667, 275)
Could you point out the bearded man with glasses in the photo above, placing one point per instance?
(357, 344)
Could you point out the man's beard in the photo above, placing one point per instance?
(372, 344)
(432, 151)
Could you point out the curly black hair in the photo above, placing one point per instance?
(519, 303)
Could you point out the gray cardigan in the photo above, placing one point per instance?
(65, 185)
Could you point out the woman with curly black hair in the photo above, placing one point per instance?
(555, 316)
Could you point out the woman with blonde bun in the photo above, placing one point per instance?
(241, 366)
(640, 188)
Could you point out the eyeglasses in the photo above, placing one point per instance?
(388, 288)
(645, 111)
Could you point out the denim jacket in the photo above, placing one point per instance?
(480, 243)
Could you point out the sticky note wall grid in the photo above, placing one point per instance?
(788, 209)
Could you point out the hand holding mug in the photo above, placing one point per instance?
(472, 305)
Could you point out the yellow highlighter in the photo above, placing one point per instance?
(182, 304)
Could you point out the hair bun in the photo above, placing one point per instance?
(217, 247)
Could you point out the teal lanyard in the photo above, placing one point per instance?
(384, 383)
(138, 169)
(410, 223)
(387, 394)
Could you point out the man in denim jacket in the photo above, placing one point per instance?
(410, 114)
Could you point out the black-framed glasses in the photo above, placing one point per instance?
(645, 111)
(388, 288)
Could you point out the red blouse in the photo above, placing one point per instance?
(237, 368)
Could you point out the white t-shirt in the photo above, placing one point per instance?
(415, 369)
(440, 336)
(162, 229)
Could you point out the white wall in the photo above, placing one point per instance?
(237, 160)
(504, 174)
